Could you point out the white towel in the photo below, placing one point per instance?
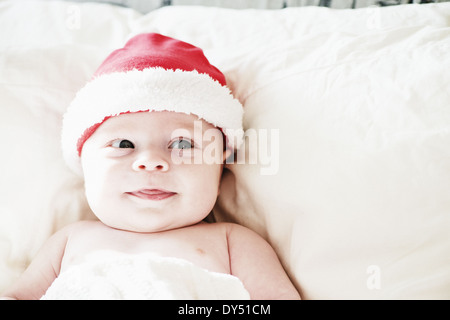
(113, 275)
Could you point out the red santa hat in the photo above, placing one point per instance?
(151, 72)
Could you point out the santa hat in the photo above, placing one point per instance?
(151, 72)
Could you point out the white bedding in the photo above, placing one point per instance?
(110, 275)
(355, 195)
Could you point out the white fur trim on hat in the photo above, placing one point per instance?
(154, 89)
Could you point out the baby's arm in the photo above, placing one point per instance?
(255, 262)
(42, 271)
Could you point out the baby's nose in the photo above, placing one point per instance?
(150, 162)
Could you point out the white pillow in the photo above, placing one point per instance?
(359, 207)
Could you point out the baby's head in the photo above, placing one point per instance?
(147, 132)
(149, 171)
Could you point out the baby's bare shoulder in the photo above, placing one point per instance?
(228, 229)
(239, 232)
(252, 258)
(238, 235)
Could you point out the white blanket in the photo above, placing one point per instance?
(114, 275)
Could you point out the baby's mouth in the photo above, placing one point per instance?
(152, 194)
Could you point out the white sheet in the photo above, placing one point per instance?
(110, 275)
(358, 204)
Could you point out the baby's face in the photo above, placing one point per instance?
(152, 171)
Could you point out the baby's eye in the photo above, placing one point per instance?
(122, 144)
(181, 144)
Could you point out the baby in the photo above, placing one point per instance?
(150, 133)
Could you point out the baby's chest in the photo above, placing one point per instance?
(207, 252)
